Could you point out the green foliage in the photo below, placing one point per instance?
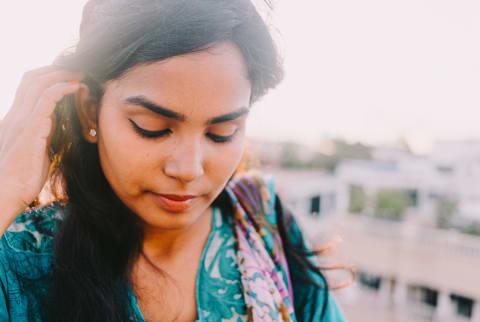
(445, 210)
(345, 150)
(290, 156)
(323, 161)
(358, 199)
(472, 229)
(391, 204)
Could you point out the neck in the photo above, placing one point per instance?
(165, 246)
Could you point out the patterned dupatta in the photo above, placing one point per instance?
(262, 263)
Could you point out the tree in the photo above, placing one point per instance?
(472, 229)
(357, 199)
(290, 156)
(391, 204)
(445, 210)
(345, 150)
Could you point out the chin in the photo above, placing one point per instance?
(164, 220)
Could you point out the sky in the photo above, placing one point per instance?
(372, 71)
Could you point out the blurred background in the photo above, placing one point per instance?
(373, 140)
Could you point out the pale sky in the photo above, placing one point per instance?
(370, 70)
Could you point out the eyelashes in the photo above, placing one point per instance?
(149, 134)
(221, 139)
(156, 134)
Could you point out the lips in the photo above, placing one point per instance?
(177, 197)
(175, 203)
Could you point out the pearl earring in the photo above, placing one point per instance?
(93, 132)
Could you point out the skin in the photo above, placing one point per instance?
(25, 134)
(200, 86)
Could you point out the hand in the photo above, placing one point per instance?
(26, 132)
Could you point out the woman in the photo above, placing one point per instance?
(140, 131)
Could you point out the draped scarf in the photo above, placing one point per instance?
(262, 262)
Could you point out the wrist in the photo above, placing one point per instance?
(10, 211)
(11, 203)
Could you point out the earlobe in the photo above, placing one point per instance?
(86, 108)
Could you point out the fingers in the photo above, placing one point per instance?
(27, 80)
(36, 90)
(52, 95)
(37, 97)
(35, 82)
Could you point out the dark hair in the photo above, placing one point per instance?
(100, 237)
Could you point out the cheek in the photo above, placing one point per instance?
(226, 160)
(121, 157)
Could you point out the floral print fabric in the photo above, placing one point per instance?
(243, 275)
(263, 269)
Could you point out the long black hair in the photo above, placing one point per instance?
(100, 237)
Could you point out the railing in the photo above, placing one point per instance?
(365, 304)
(415, 251)
(450, 241)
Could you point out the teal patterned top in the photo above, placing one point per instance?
(26, 252)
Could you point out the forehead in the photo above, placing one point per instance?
(216, 79)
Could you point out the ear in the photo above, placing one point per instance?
(86, 108)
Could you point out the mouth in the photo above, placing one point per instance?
(175, 203)
(178, 197)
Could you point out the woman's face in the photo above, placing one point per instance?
(175, 129)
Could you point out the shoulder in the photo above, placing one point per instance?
(34, 229)
(26, 258)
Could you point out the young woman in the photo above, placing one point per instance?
(140, 133)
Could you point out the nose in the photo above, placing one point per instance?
(186, 162)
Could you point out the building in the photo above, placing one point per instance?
(407, 268)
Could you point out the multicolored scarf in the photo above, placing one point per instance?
(262, 263)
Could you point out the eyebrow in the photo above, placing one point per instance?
(149, 105)
(142, 101)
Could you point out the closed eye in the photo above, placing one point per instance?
(156, 134)
(149, 134)
(221, 139)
